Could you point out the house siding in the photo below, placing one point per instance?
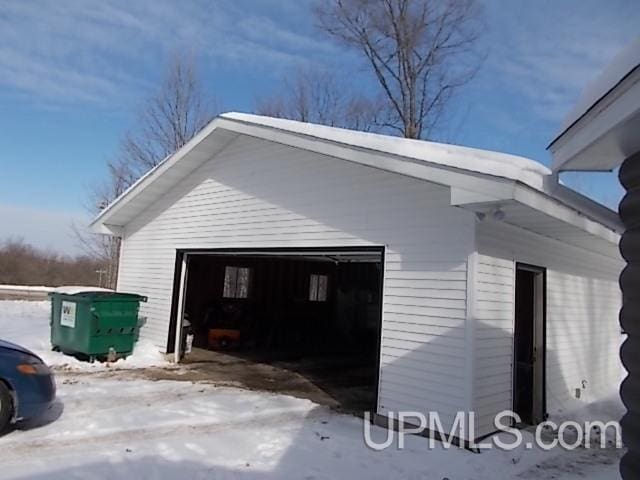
(263, 195)
(582, 335)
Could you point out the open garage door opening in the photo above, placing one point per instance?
(304, 322)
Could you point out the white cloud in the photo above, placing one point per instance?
(545, 52)
(105, 52)
(45, 229)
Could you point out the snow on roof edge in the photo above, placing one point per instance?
(475, 160)
(503, 165)
(623, 64)
(517, 168)
(481, 162)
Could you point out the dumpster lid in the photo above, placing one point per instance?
(73, 290)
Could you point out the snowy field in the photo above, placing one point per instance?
(107, 424)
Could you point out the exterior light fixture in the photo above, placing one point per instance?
(498, 214)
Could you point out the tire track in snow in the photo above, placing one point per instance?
(114, 402)
(83, 403)
(49, 446)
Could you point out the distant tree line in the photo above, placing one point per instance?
(23, 264)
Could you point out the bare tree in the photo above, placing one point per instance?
(313, 95)
(167, 121)
(420, 52)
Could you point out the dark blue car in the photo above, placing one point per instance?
(27, 386)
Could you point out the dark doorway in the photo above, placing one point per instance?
(529, 344)
(313, 312)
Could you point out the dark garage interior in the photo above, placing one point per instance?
(315, 314)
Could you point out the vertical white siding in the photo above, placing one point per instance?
(583, 336)
(260, 194)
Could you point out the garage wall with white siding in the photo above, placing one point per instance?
(583, 335)
(261, 194)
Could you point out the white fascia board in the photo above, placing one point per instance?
(106, 229)
(150, 177)
(587, 206)
(543, 203)
(466, 187)
(554, 208)
(485, 162)
(595, 141)
(461, 197)
(447, 176)
(435, 173)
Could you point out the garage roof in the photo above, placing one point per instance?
(477, 177)
(464, 158)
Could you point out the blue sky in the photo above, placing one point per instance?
(72, 74)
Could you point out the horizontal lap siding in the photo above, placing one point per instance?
(494, 338)
(583, 336)
(260, 194)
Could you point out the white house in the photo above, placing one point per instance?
(472, 280)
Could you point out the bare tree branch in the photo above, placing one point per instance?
(419, 51)
(314, 95)
(168, 120)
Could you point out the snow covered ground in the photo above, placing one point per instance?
(27, 323)
(113, 424)
(110, 428)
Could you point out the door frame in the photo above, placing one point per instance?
(180, 276)
(539, 400)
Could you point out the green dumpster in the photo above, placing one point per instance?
(95, 324)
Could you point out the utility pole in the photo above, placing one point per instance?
(100, 272)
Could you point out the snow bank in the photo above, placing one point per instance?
(30, 288)
(73, 289)
(27, 324)
(606, 408)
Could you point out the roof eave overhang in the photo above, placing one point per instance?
(606, 228)
(106, 229)
(435, 173)
(467, 187)
(568, 206)
(438, 174)
(605, 135)
(192, 155)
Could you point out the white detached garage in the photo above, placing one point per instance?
(482, 283)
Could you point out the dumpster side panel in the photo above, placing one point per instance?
(115, 325)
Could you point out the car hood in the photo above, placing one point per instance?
(17, 348)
